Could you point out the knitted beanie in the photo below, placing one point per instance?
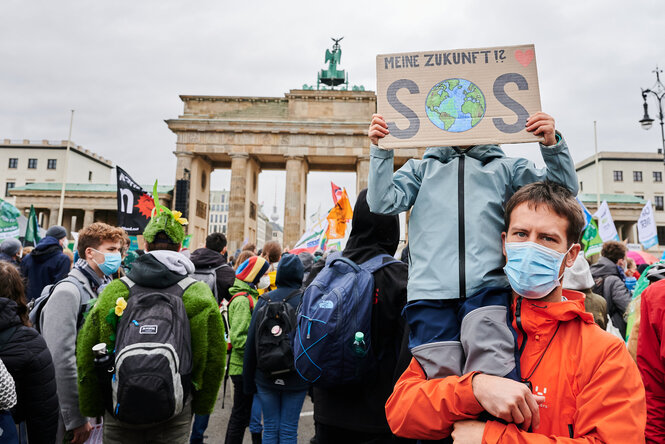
(252, 269)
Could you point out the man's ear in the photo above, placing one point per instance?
(223, 251)
(572, 255)
(503, 243)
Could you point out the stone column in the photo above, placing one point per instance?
(295, 199)
(88, 217)
(53, 216)
(199, 195)
(236, 221)
(362, 172)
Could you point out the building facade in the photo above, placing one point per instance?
(219, 211)
(23, 162)
(626, 180)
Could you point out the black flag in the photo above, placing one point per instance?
(134, 204)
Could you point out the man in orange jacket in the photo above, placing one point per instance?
(579, 382)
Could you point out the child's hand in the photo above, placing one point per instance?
(377, 129)
(541, 124)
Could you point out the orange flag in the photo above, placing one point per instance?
(339, 217)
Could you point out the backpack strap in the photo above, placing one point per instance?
(378, 262)
(128, 282)
(243, 293)
(186, 282)
(293, 294)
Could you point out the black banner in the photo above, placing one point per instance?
(134, 204)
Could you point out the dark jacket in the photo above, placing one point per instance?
(28, 360)
(7, 258)
(362, 407)
(611, 286)
(205, 258)
(45, 265)
(288, 279)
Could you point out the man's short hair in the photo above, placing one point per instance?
(162, 241)
(614, 251)
(96, 234)
(557, 198)
(216, 242)
(273, 251)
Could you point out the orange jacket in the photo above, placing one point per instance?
(593, 390)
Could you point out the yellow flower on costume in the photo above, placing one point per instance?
(120, 305)
(177, 216)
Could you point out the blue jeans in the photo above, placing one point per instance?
(199, 428)
(255, 420)
(281, 412)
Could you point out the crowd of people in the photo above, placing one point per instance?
(493, 328)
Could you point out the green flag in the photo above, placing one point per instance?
(32, 229)
(9, 215)
(591, 239)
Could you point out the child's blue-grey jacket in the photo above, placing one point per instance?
(456, 199)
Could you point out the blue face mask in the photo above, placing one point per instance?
(532, 269)
(111, 262)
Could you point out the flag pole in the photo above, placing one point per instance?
(595, 142)
(61, 209)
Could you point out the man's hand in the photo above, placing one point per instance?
(541, 124)
(82, 433)
(468, 432)
(506, 399)
(377, 129)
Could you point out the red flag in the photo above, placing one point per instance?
(336, 192)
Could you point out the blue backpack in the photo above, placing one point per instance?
(335, 306)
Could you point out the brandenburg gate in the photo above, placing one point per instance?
(306, 130)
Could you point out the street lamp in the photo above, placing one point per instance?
(658, 91)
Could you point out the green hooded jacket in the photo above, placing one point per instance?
(240, 315)
(158, 270)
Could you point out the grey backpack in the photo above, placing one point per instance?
(153, 355)
(209, 276)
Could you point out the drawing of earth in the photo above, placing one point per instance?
(455, 105)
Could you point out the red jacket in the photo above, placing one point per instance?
(651, 358)
(593, 390)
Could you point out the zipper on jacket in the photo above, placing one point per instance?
(518, 321)
(460, 226)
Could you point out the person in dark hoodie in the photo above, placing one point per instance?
(281, 398)
(28, 360)
(212, 257)
(609, 281)
(356, 413)
(46, 264)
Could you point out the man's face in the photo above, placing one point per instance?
(541, 226)
(63, 242)
(97, 257)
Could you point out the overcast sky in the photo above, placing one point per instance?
(122, 65)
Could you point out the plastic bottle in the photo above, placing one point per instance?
(359, 347)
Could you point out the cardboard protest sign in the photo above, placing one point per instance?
(459, 97)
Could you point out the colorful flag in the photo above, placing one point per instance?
(606, 228)
(339, 216)
(647, 233)
(337, 192)
(32, 229)
(134, 204)
(591, 240)
(587, 216)
(313, 239)
(9, 215)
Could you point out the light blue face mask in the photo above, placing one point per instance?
(532, 269)
(111, 262)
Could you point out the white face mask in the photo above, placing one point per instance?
(264, 282)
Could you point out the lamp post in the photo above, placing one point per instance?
(658, 91)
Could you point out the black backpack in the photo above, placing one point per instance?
(37, 305)
(153, 354)
(275, 323)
